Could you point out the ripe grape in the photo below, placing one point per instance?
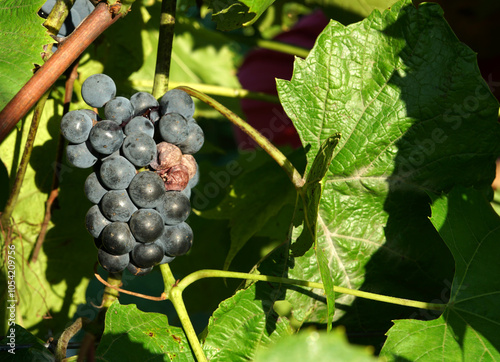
(117, 172)
(142, 102)
(117, 238)
(146, 189)
(117, 206)
(98, 89)
(139, 148)
(81, 155)
(76, 126)
(177, 101)
(173, 128)
(177, 239)
(166, 259)
(112, 263)
(139, 124)
(194, 140)
(95, 221)
(93, 188)
(137, 271)
(106, 137)
(146, 255)
(118, 109)
(174, 207)
(146, 225)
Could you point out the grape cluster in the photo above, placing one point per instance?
(143, 173)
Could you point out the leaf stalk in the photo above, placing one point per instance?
(262, 141)
(209, 273)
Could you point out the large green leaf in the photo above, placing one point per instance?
(245, 323)
(468, 328)
(23, 38)
(132, 335)
(410, 103)
(311, 346)
(22, 346)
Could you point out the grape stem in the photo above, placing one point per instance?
(262, 141)
(21, 171)
(175, 296)
(165, 43)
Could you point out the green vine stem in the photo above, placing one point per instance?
(272, 45)
(56, 18)
(62, 343)
(175, 296)
(21, 171)
(228, 92)
(262, 141)
(207, 273)
(165, 43)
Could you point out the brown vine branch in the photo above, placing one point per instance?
(100, 19)
(163, 296)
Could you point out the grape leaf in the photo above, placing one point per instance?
(130, 334)
(256, 196)
(410, 103)
(310, 345)
(468, 328)
(23, 38)
(360, 7)
(245, 323)
(25, 347)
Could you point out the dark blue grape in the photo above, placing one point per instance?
(146, 255)
(146, 189)
(174, 207)
(146, 225)
(194, 140)
(106, 137)
(143, 102)
(83, 7)
(139, 148)
(177, 239)
(112, 263)
(92, 115)
(118, 110)
(166, 259)
(193, 181)
(95, 221)
(117, 238)
(173, 128)
(70, 23)
(137, 271)
(98, 89)
(139, 124)
(117, 172)
(81, 155)
(94, 190)
(177, 101)
(76, 126)
(187, 191)
(117, 206)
